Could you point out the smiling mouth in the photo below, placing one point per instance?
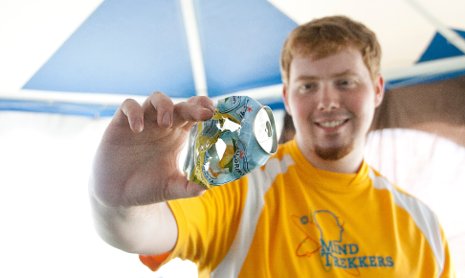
(332, 124)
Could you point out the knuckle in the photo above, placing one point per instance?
(202, 100)
(162, 99)
(157, 97)
(127, 102)
(157, 93)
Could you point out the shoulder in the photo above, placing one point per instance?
(401, 197)
(423, 216)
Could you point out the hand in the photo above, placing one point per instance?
(137, 160)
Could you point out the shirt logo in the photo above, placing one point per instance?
(323, 235)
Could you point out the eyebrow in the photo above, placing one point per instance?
(347, 72)
(306, 78)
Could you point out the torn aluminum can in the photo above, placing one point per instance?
(238, 138)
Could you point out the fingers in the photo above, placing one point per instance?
(163, 108)
(160, 108)
(134, 114)
(196, 109)
(202, 101)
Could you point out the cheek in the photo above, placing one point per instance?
(298, 108)
(301, 102)
(363, 108)
(301, 112)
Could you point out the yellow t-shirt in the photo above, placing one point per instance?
(289, 219)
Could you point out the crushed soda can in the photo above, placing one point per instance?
(239, 137)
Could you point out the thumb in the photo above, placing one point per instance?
(183, 188)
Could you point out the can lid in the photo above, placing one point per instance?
(265, 130)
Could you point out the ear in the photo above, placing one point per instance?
(379, 90)
(286, 99)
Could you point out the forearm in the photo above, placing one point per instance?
(149, 229)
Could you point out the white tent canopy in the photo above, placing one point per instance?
(66, 65)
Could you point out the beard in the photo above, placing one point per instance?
(335, 153)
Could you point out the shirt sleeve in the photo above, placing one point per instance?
(449, 269)
(206, 226)
(154, 261)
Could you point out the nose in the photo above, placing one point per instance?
(328, 99)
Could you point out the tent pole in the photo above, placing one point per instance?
(449, 34)
(195, 50)
(434, 67)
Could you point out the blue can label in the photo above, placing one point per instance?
(240, 137)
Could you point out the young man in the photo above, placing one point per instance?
(316, 209)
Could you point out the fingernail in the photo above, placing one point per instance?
(166, 119)
(139, 126)
(212, 108)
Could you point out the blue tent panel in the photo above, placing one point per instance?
(440, 48)
(123, 47)
(237, 60)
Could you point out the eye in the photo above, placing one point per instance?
(308, 87)
(346, 83)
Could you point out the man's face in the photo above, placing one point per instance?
(332, 102)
